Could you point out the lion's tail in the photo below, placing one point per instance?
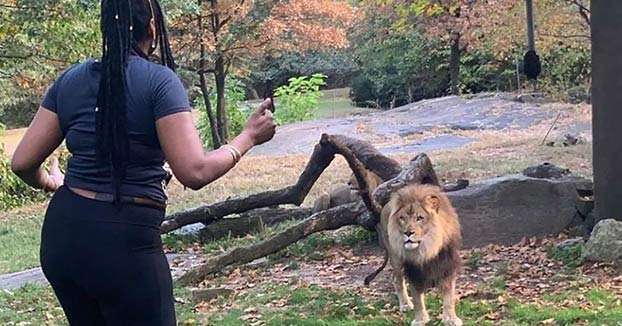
(373, 275)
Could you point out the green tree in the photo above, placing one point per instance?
(38, 39)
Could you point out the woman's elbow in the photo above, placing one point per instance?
(193, 181)
(20, 167)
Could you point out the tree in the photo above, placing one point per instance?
(34, 39)
(225, 36)
(397, 64)
(606, 48)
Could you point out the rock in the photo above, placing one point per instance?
(570, 140)
(569, 243)
(605, 243)
(546, 170)
(208, 294)
(507, 209)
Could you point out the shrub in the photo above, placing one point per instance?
(299, 100)
(237, 112)
(13, 191)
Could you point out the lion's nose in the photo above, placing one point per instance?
(409, 233)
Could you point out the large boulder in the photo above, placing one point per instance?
(507, 209)
(605, 243)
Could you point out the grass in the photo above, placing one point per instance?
(19, 242)
(286, 304)
(570, 256)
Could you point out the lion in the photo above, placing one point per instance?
(421, 232)
(345, 194)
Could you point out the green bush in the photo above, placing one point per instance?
(237, 112)
(299, 100)
(567, 74)
(362, 92)
(13, 191)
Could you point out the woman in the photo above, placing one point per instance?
(121, 118)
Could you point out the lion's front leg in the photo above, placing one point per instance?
(421, 314)
(400, 288)
(448, 291)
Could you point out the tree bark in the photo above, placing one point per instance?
(607, 113)
(220, 77)
(331, 219)
(216, 140)
(454, 64)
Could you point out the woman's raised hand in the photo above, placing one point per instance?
(260, 125)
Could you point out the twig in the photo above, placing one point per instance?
(550, 129)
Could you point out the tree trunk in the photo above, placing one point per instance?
(216, 140)
(607, 110)
(454, 64)
(210, 114)
(221, 110)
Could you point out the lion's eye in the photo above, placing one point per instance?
(402, 218)
(419, 218)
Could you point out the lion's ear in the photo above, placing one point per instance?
(432, 202)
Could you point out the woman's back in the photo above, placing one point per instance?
(153, 91)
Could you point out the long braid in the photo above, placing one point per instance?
(120, 39)
(112, 140)
(166, 55)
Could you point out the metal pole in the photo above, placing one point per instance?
(530, 25)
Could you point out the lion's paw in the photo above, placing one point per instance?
(452, 322)
(418, 323)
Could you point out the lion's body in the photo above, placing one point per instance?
(345, 194)
(421, 233)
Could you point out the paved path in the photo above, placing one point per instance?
(35, 276)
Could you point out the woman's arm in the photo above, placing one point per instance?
(41, 139)
(184, 152)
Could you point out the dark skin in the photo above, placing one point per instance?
(178, 136)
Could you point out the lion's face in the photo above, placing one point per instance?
(420, 221)
(413, 221)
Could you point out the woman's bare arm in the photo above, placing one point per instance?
(184, 152)
(41, 139)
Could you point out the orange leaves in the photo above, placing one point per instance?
(238, 29)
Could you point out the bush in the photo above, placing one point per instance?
(237, 112)
(18, 108)
(13, 191)
(362, 92)
(299, 100)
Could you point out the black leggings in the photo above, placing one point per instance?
(106, 264)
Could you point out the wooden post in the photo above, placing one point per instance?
(531, 40)
(607, 107)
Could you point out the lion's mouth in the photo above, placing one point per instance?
(411, 244)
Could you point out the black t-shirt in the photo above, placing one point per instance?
(154, 91)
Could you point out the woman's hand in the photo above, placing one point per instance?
(261, 126)
(56, 175)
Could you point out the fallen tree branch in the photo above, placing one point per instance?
(295, 195)
(321, 158)
(331, 219)
(418, 171)
(252, 221)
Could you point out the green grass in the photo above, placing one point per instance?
(284, 305)
(19, 243)
(570, 257)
